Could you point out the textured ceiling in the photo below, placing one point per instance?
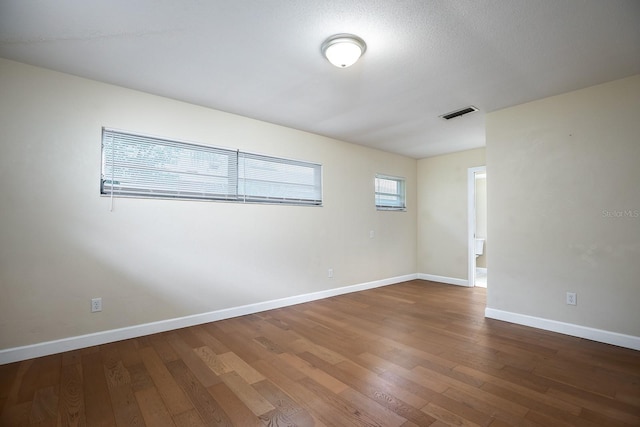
(261, 58)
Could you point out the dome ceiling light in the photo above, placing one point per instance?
(343, 50)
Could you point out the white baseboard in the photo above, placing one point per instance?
(73, 343)
(443, 279)
(600, 335)
(482, 270)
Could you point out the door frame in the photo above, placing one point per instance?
(471, 222)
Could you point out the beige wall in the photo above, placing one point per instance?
(564, 213)
(442, 213)
(564, 207)
(156, 259)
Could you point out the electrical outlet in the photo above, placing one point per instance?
(572, 298)
(372, 234)
(96, 305)
(330, 273)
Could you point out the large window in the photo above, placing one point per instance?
(143, 166)
(390, 193)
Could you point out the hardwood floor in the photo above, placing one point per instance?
(413, 354)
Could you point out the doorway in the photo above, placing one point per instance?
(477, 220)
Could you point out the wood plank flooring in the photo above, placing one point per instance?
(413, 354)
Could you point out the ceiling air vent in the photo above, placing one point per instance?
(460, 112)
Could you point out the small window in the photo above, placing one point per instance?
(143, 166)
(390, 193)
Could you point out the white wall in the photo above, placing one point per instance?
(156, 259)
(442, 213)
(564, 207)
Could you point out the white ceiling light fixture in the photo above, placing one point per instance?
(343, 50)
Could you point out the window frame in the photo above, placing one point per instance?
(273, 199)
(130, 167)
(401, 193)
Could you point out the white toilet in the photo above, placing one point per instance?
(479, 247)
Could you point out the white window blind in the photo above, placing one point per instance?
(142, 166)
(390, 193)
(276, 180)
(134, 165)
